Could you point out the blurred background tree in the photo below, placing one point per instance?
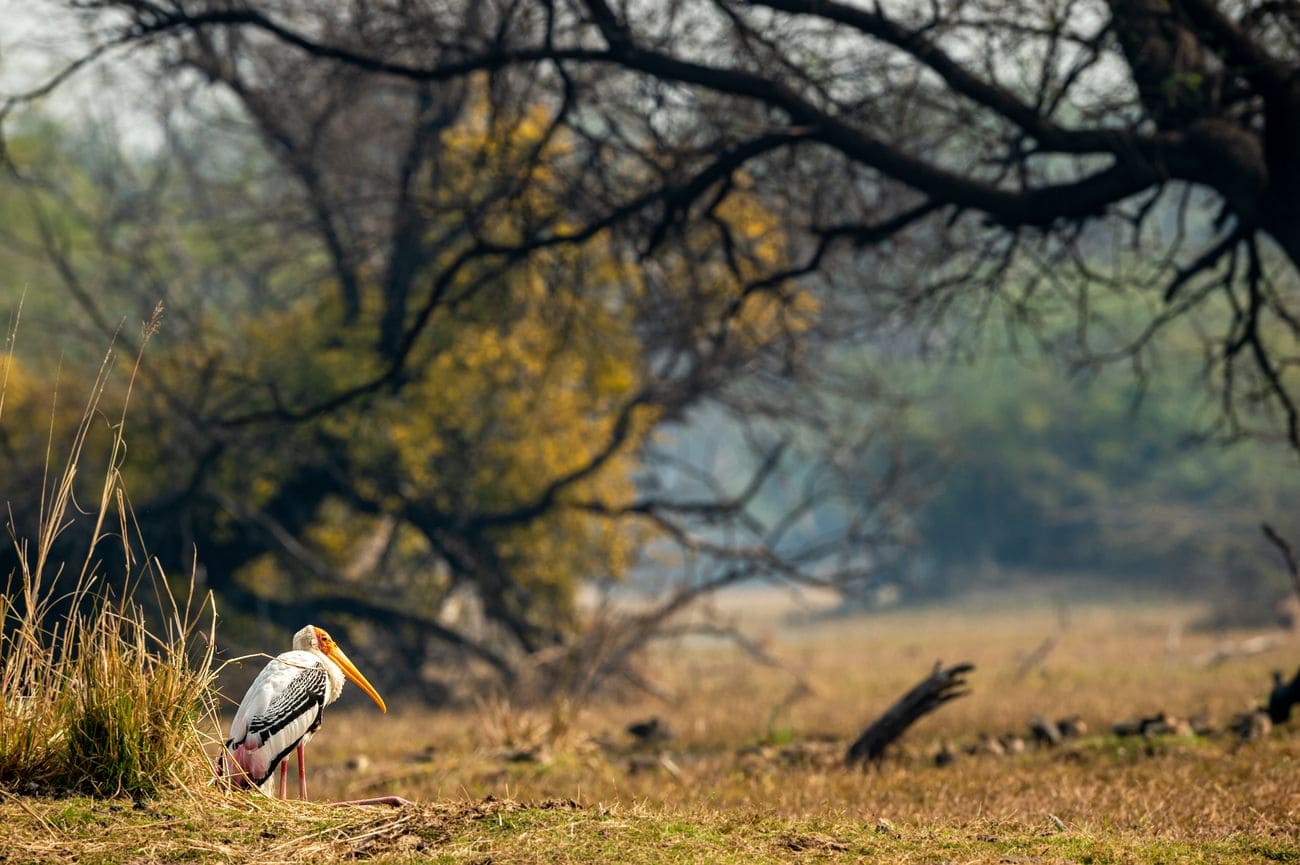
(408, 387)
(1094, 477)
(461, 292)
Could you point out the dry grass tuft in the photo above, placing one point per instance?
(92, 699)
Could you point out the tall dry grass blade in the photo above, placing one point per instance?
(112, 472)
(11, 342)
(92, 698)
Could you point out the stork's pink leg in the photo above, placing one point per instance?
(302, 775)
(284, 779)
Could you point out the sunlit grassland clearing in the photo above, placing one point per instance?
(1111, 662)
(752, 772)
(738, 781)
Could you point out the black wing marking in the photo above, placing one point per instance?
(304, 697)
(305, 691)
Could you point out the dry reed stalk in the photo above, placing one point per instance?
(94, 698)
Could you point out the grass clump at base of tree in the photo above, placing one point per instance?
(97, 694)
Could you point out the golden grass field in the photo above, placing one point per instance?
(752, 773)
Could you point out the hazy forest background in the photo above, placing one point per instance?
(478, 313)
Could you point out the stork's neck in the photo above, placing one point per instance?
(333, 673)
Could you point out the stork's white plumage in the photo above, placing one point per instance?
(283, 706)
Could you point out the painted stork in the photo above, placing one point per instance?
(282, 710)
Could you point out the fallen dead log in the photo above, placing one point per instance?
(929, 694)
(1159, 724)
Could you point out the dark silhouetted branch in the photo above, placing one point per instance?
(929, 694)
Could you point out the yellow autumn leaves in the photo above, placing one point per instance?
(518, 379)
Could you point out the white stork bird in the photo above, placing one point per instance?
(283, 707)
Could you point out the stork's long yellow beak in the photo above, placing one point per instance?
(336, 655)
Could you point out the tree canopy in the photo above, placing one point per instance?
(1032, 133)
(409, 387)
(444, 271)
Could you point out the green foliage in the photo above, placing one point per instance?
(1046, 472)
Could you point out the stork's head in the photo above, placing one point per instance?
(317, 640)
